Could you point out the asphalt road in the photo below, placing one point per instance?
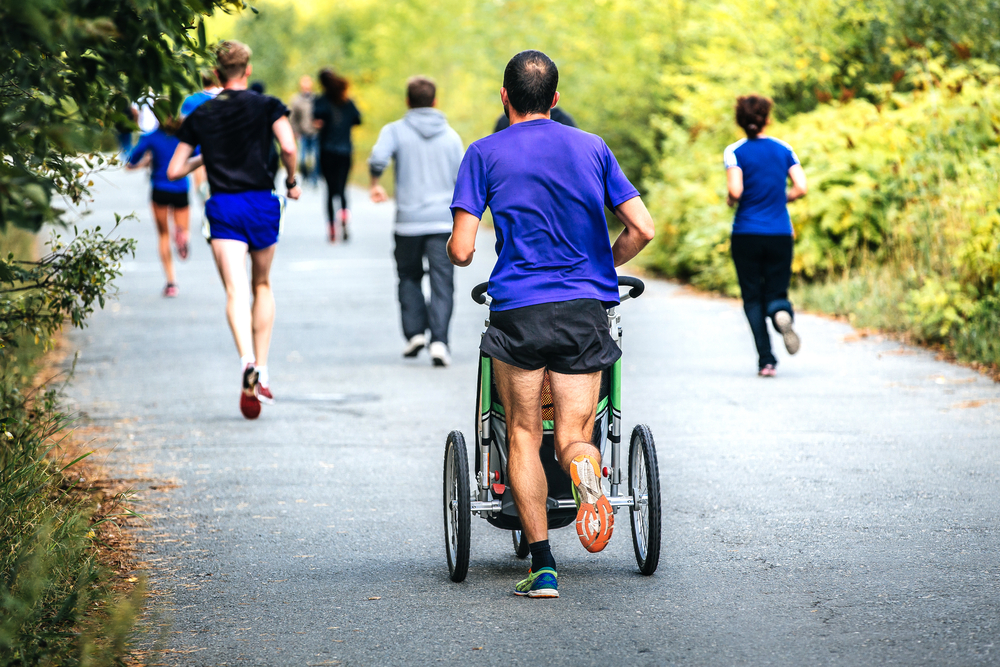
(844, 513)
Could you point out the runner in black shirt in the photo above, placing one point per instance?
(234, 131)
(557, 114)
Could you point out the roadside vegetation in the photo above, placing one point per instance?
(892, 105)
(70, 69)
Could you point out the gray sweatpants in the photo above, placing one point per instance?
(417, 314)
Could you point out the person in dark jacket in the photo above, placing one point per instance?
(335, 115)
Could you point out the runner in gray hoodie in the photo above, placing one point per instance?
(427, 153)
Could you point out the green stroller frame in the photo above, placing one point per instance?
(491, 498)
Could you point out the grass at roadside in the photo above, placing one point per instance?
(60, 604)
(868, 301)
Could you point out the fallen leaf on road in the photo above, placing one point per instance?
(975, 403)
(477, 648)
(375, 598)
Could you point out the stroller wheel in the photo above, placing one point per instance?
(644, 487)
(520, 544)
(457, 507)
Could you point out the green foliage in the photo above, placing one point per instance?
(610, 56)
(64, 285)
(50, 581)
(977, 340)
(896, 116)
(70, 70)
(909, 184)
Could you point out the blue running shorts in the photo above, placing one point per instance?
(253, 217)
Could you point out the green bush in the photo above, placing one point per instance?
(71, 69)
(50, 580)
(978, 340)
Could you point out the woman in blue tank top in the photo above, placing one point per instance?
(757, 173)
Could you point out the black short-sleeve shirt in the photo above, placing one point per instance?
(234, 132)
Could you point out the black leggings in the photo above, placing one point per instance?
(336, 167)
(764, 267)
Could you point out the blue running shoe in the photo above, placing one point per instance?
(541, 584)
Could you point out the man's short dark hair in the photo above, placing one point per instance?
(420, 92)
(231, 60)
(531, 79)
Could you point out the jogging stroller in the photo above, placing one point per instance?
(491, 497)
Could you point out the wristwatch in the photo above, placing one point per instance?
(292, 183)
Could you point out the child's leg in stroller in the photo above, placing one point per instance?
(521, 393)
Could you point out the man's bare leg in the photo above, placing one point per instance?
(231, 258)
(521, 393)
(263, 302)
(574, 398)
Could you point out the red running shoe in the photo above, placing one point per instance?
(170, 291)
(769, 371)
(264, 394)
(595, 519)
(249, 403)
(333, 232)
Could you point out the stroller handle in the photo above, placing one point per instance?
(479, 293)
(636, 288)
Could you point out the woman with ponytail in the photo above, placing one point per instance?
(335, 115)
(757, 172)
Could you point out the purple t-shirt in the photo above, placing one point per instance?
(547, 185)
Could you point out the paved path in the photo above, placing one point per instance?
(844, 513)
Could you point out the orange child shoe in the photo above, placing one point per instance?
(595, 520)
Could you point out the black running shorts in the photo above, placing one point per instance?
(167, 198)
(569, 337)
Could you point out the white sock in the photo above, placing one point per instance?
(262, 376)
(247, 359)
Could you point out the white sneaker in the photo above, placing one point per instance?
(783, 322)
(414, 346)
(439, 354)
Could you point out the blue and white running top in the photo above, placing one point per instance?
(763, 208)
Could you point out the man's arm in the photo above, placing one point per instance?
(182, 164)
(639, 230)
(382, 153)
(282, 130)
(462, 244)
